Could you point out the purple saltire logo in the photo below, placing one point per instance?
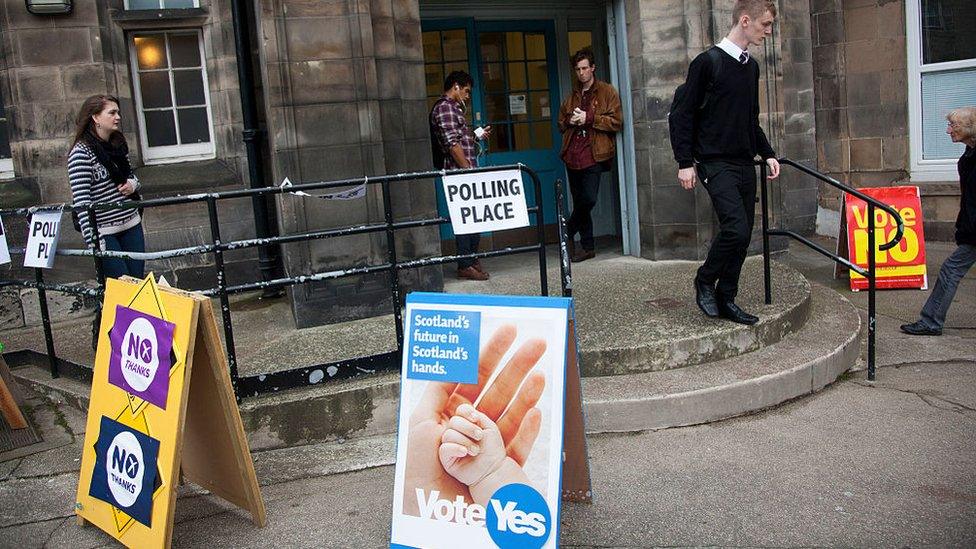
(141, 355)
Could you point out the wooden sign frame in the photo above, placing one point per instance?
(200, 432)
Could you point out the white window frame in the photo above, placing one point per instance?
(196, 4)
(7, 168)
(921, 169)
(171, 153)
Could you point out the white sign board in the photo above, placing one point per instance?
(42, 239)
(516, 104)
(4, 251)
(486, 201)
(480, 439)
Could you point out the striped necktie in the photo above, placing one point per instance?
(743, 58)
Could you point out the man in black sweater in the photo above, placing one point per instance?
(715, 134)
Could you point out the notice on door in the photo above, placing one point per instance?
(486, 201)
(516, 104)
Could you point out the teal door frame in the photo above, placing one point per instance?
(545, 162)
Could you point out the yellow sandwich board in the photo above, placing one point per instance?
(161, 404)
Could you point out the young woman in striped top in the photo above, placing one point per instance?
(99, 172)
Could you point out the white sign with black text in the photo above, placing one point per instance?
(486, 201)
(42, 239)
(4, 251)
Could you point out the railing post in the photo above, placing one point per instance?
(222, 286)
(540, 230)
(565, 270)
(872, 260)
(767, 278)
(392, 258)
(46, 322)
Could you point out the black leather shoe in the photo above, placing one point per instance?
(919, 329)
(705, 298)
(731, 311)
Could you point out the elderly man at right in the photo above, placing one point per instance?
(961, 129)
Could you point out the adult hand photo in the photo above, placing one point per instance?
(773, 168)
(128, 187)
(508, 402)
(687, 178)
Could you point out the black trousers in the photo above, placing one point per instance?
(466, 244)
(732, 188)
(584, 186)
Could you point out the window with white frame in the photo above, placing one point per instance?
(172, 99)
(942, 76)
(160, 4)
(6, 164)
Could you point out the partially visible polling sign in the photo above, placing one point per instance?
(486, 201)
(4, 251)
(42, 239)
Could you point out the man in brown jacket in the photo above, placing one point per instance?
(588, 119)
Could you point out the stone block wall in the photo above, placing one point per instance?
(345, 98)
(50, 64)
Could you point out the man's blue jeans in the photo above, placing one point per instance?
(953, 269)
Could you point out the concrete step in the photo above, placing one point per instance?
(367, 407)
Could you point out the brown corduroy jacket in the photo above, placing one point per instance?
(607, 119)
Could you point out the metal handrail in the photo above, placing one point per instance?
(870, 273)
(252, 385)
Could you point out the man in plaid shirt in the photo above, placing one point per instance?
(453, 147)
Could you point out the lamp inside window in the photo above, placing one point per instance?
(49, 7)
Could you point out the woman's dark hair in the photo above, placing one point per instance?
(85, 126)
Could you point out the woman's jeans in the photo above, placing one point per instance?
(952, 271)
(131, 240)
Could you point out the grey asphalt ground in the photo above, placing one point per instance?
(890, 463)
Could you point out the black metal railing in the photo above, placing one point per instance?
(273, 381)
(870, 273)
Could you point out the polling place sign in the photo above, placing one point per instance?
(42, 239)
(491, 434)
(4, 250)
(486, 201)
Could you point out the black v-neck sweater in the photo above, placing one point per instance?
(727, 126)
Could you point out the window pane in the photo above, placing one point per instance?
(160, 128)
(579, 40)
(143, 4)
(151, 51)
(516, 76)
(497, 106)
(451, 67)
(194, 127)
(173, 4)
(189, 88)
(155, 90)
(4, 139)
(500, 138)
(542, 135)
(455, 45)
(538, 76)
(941, 93)
(494, 77)
(535, 46)
(435, 79)
(185, 49)
(432, 46)
(491, 46)
(947, 30)
(515, 49)
(539, 105)
(522, 140)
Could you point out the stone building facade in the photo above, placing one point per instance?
(344, 87)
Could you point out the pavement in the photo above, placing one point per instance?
(887, 463)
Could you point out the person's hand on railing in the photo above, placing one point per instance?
(773, 168)
(687, 178)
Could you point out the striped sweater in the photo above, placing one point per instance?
(91, 183)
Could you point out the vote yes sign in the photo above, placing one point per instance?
(486, 201)
(902, 266)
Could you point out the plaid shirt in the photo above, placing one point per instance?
(449, 127)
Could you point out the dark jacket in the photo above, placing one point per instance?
(966, 221)
(607, 119)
